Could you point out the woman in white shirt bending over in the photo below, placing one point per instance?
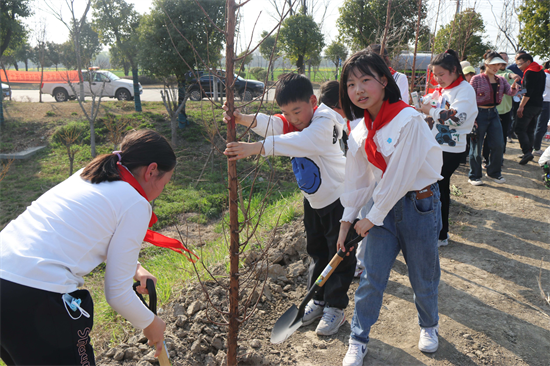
(393, 159)
(99, 214)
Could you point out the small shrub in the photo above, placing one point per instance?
(259, 73)
(74, 114)
(50, 113)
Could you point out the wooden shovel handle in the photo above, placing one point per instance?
(164, 359)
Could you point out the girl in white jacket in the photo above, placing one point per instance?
(393, 159)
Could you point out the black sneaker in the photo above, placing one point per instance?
(526, 158)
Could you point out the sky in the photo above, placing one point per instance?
(263, 9)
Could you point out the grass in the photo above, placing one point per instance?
(186, 198)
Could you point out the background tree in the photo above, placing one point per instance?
(247, 59)
(464, 34)
(23, 53)
(336, 52)
(117, 23)
(119, 61)
(67, 56)
(362, 23)
(301, 38)
(535, 34)
(54, 53)
(164, 42)
(12, 30)
(270, 46)
(508, 25)
(90, 45)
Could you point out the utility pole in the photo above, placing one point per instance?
(457, 7)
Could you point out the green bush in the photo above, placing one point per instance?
(259, 73)
(72, 130)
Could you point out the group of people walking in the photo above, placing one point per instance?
(391, 186)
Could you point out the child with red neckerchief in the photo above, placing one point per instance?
(451, 115)
(99, 214)
(393, 159)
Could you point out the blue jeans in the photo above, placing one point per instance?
(542, 125)
(411, 226)
(490, 128)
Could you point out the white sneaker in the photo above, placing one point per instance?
(332, 319)
(475, 182)
(358, 272)
(314, 310)
(429, 341)
(537, 152)
(355, 354)
(442, 243)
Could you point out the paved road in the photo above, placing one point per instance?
(149, 95)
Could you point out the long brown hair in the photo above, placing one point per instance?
(139, 148)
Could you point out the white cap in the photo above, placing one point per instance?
(464, 64)
(496, 60)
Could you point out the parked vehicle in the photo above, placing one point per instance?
(6, 90)
(245, 89)
(94, 81)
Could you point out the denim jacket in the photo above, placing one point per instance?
(484, 91)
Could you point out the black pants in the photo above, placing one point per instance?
(451, 161)
(514, 117)
(525, 128)
(505, 121)
(36, 329)
(322, 229)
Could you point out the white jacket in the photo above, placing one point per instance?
(413, 160)
(70, 230)
(454, 115)
(317, 160)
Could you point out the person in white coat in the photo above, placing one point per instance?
(393, 159)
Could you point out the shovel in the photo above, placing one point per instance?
(164, 359)
(292, 318)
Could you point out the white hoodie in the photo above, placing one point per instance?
(317, 160)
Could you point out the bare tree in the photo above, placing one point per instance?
(41, 48)
(5, 168)
(508, 24)
(115, 127)
(69, 136)
(170, 101)
(243, 283)
(74, 26)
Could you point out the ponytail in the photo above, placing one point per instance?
(139, 148)
(449, 61)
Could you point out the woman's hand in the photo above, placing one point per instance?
(142, 275)
(155, 334)
(520, 112)
(344, 229)
(362, 227)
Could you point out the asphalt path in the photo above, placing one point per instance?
(149, 95)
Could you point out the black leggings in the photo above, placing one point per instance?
(36, 328)
(451, 161)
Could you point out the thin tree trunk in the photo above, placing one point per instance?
(233, 330)
(415, 47)
(386, 27)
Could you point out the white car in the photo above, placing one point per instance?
(94, 81)
(6, 90)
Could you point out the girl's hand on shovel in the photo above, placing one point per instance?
(362, 227)
(141, 276)
(155, 334)
(341, 243)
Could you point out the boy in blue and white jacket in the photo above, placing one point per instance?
(309, 135)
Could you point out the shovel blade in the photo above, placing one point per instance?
(286, 325)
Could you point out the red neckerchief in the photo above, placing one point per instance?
(386, 114)
(392, 70)
(547, 71)
(152, 236)
(532, 67)
(453, 84)
(349, 127)
(289, 127)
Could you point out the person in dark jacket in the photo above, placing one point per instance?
(534, 81)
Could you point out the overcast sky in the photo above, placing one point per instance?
(58, 33)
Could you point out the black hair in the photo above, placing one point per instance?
(520, 52)
(525, 57)
(449, 61)
(376, 48)
(482, 68)
(330, 94)
(292, 87)
(138, 148)
(489, 55)
(367, 63)
(547, 64)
